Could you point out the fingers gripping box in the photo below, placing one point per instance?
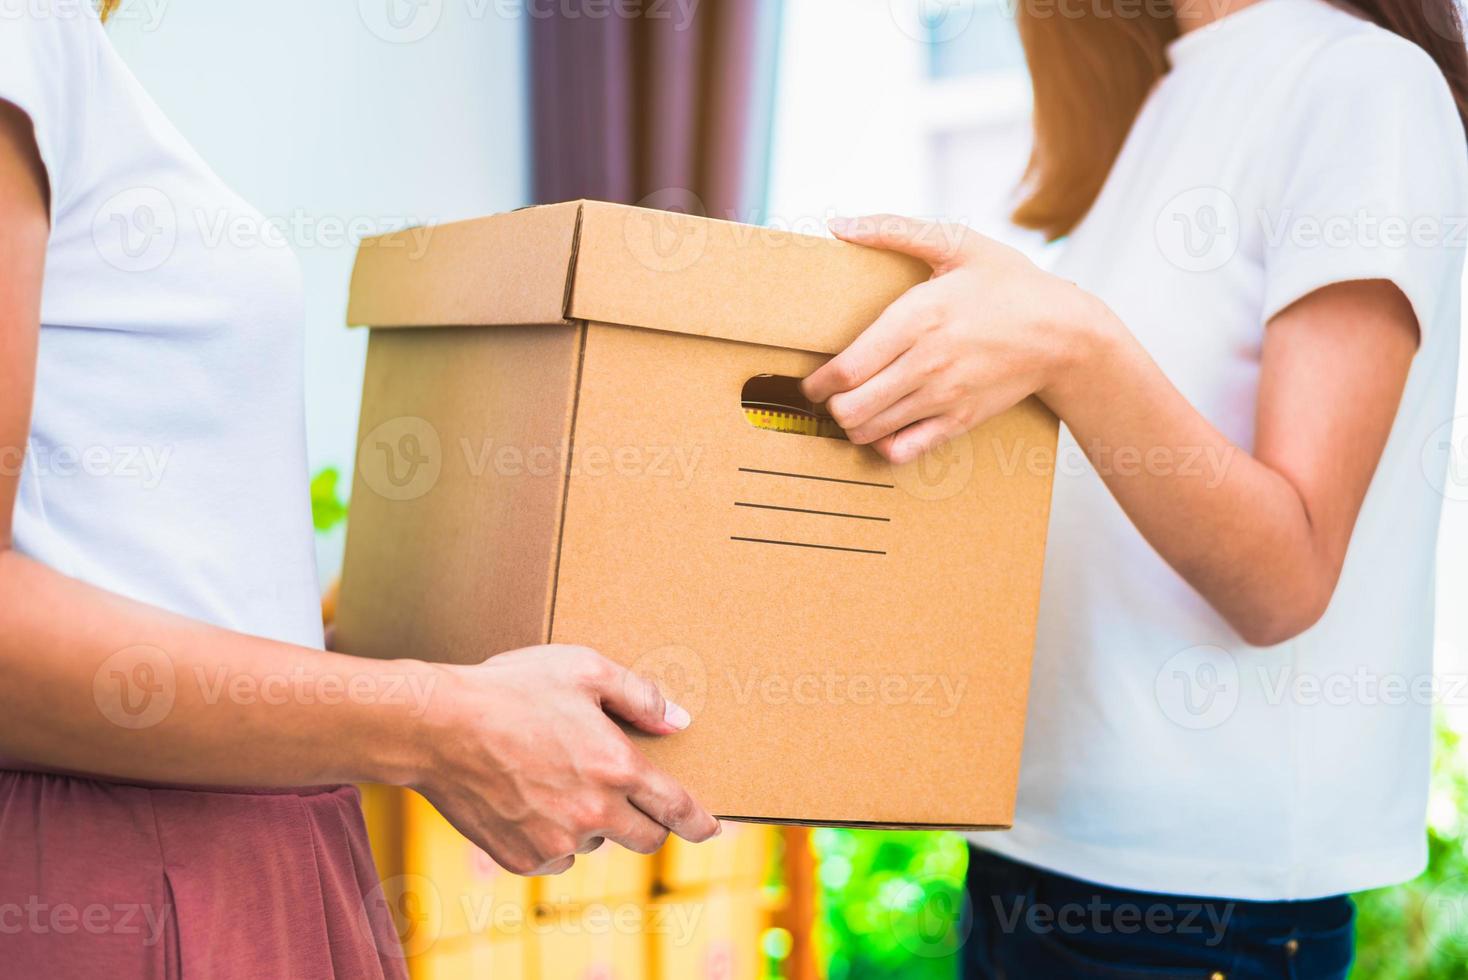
(577, 428)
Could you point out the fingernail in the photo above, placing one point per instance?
(839, 226)
(718, 827)
(676, 715)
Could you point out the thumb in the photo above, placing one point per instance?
(942, 246)
(638, 701)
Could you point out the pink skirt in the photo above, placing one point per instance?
(111, 879)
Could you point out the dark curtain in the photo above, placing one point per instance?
(664, 103)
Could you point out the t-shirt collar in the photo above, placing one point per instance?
(1192, 44)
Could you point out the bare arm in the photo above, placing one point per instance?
(56, 634)
(1264, 542)
(519, 752)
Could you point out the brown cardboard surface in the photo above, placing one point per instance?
(777, 646)
(510, 270)
(853, 639)
(457, 561)
(644, 268)
(652, 268)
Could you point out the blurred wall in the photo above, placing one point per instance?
(338, 119)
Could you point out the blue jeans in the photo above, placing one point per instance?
(1030, 924)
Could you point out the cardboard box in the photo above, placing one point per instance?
(554, 447)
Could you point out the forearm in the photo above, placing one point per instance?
(93, 682)
(1262, 535)
(1236, 529)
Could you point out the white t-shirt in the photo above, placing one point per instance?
(1291, 146)
(166, 455)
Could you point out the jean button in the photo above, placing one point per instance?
(1217, 975)
(1291, 947)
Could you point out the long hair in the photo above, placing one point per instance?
(106, 7)
(1091, 73)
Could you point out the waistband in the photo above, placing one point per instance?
(24, 768)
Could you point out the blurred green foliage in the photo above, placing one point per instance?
(327, 507)
(1419, 930)
(891, 902)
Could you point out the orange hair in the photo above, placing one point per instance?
(1092, 69)
(105, 7)
(1090, 72)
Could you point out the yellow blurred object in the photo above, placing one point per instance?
(711, 935)
(458, 889)
(474, 959)
(329, 600)
(462, 917)
(599, 941)
(382, 809)
(608, 872)
(739, 858)
(777, 420)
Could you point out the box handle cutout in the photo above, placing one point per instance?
(773, 402)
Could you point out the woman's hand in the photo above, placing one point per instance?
(524, 759)
(1261, 535)
(988, 330)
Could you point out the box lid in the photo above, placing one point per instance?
(611, 263)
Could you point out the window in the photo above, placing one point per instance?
(908, 106)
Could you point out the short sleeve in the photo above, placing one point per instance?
(1371, 180)
(45, 66)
